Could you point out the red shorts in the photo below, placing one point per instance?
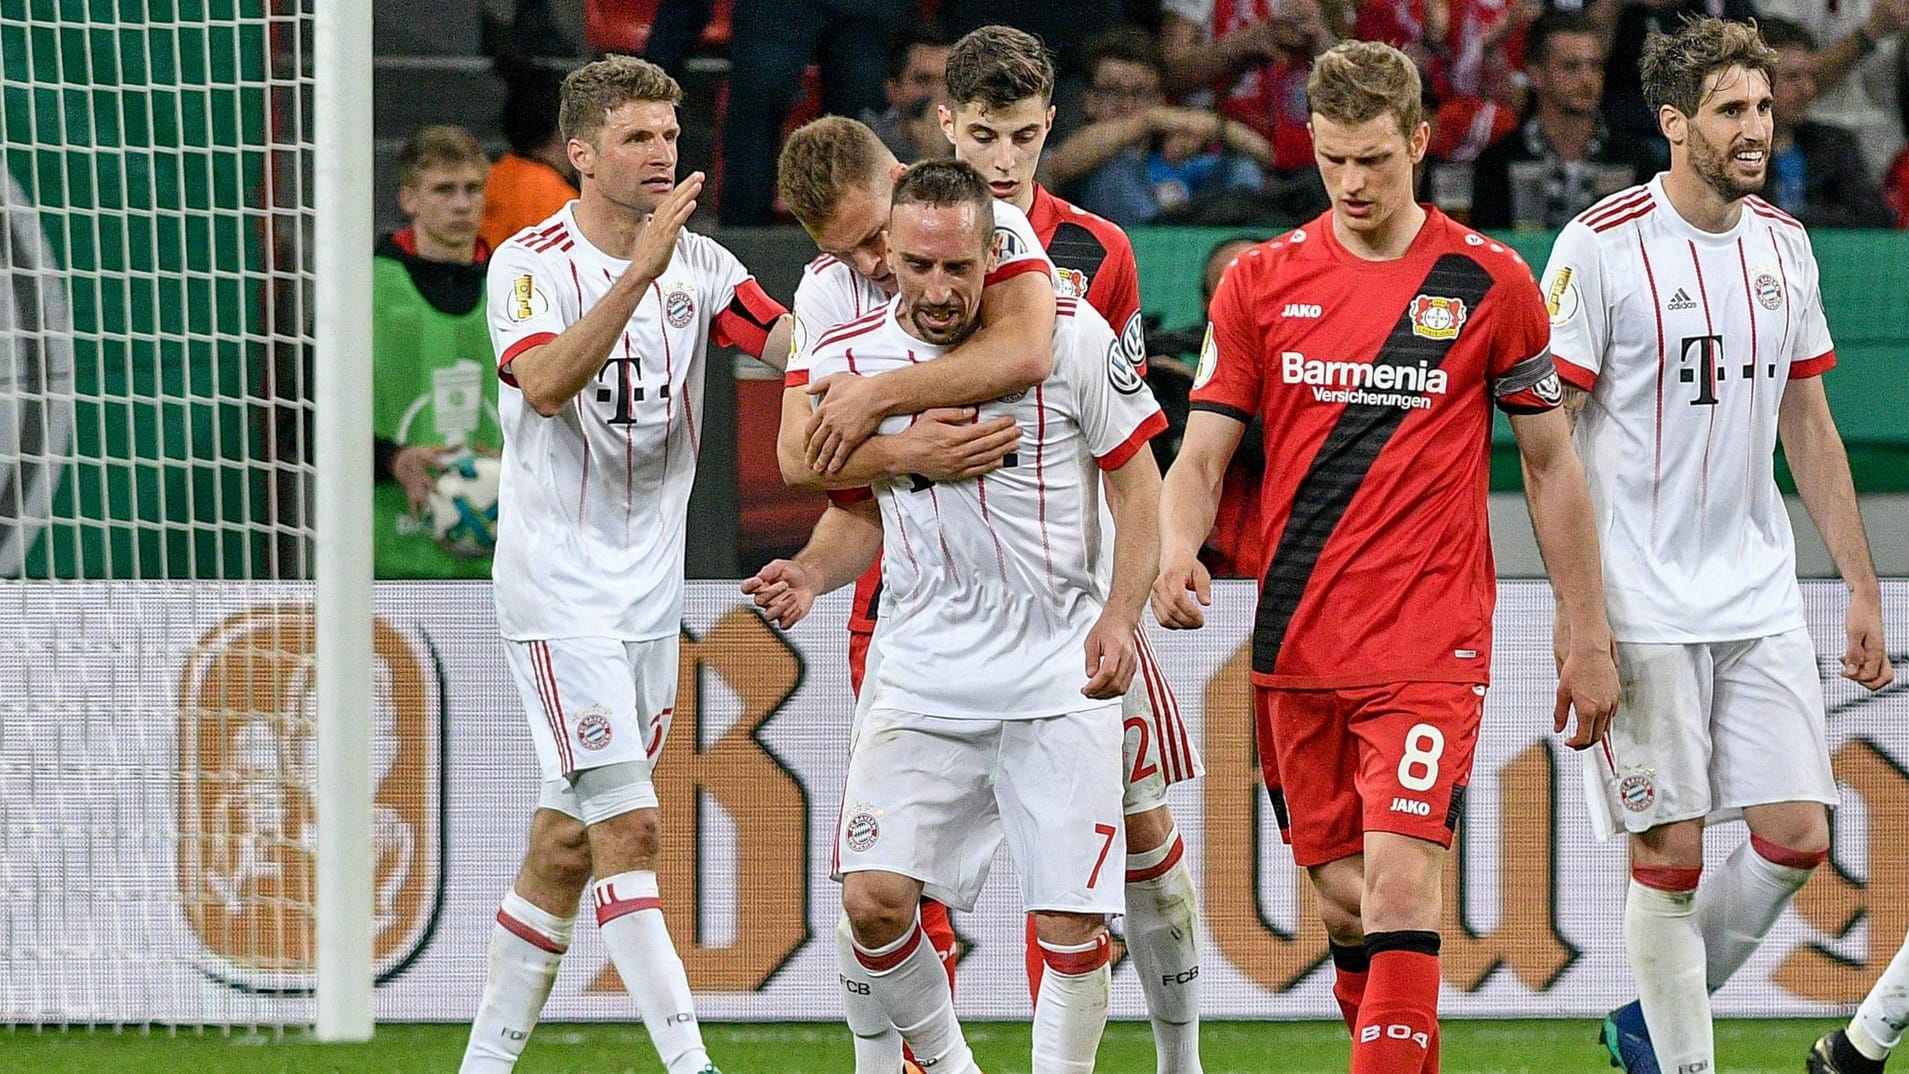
(1391, 758)
(857, 658)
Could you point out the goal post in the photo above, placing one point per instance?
(185, 468)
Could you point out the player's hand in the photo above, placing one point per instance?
(1176, 591)
(848, 412)
(416, 468)
(783, 590)
(1866, 661)
(1111, 659)
(948, 444)
(1587, 683)
(657, 244)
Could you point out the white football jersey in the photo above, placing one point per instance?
(593, 504)
(989, 586)
(833, 293)
(1686, 340)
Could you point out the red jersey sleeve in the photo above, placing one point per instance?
(1231, 365)
(1524, 379)
(1115, 292)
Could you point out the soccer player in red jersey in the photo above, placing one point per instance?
(1372, 343)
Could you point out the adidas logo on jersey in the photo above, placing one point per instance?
(1301, 309)
(1681, 301)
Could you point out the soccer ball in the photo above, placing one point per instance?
(463, 507)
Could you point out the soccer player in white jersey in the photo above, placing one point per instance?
(1687, 321)
(836, 177)
(601, 318)
(981, 719)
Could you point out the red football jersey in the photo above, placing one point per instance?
(1375, 380)
(1093, 260)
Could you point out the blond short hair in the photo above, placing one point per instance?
(821, 160)
(1354, 82)
(441, 146)
(594, 90)
(1674, 67)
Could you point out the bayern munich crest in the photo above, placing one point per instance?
(861, 831)
(1437, 317)
(594, 729)
(1769, 291)
(679, 308)
(1637, 791)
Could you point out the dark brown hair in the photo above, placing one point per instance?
(594, 90)
(1675, 67)
(995, 66)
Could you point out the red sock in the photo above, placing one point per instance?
(1036, 964)
(1398, 1016)
(1349, 967)
(939, 929)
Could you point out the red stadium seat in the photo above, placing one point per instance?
(624, 25)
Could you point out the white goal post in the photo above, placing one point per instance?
(188, 687)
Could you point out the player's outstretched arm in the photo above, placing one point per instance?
(1188, 501)
(844, 543)
(1821, 467)
(1134, 488)
(1012, 350)
(943, 445)
(552, 374)
(1560, 504)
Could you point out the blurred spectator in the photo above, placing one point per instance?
(1816, 171)
(917, 68)
(532, 30)
(1632, 124)
(1855, 67)
(921, 128)
(1254, 55)
(534, 178)
(771, 42)
(1136, 157)
(434, 384)
(675, 32)
(1896, 180)
(1562, 159)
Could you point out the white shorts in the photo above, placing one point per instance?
(593, 702)
(932, 798)
(1156, 750)
(1703, 730)
(1155, 745)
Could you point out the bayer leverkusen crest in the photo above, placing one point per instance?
(1435, 317)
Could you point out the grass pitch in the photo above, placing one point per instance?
(1471, 1047)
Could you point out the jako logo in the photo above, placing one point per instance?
(1300, 309)
(1394, 1031)
(1408, 805)
(247, 829)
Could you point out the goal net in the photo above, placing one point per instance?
(156, 730)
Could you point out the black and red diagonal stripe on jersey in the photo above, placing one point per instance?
(1345, 458)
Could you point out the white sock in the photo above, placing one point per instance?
(908, 981)
(526, 947)
(877, 1045)
(1163, 939)
(630, 917)
(1877, 1027)
(1667, 958)
(1739, 903)
(1071, 1013)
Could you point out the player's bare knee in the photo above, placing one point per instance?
(1068, 930)
(1148, 830)
(558, 861)
(1677, 845)
(880, 906)
(1797, 828)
